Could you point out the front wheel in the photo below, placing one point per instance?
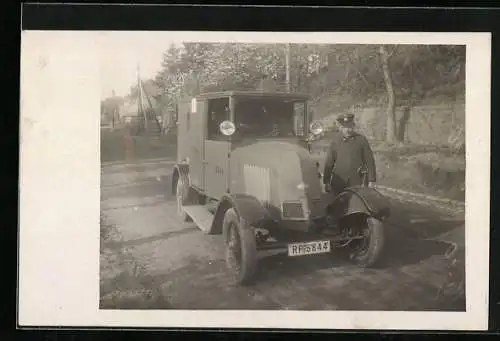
(241, 248)
(366, 252)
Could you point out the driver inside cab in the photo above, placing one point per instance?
(217, 116)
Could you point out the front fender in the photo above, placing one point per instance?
(247, 207)
(361, 200)
(371, 200)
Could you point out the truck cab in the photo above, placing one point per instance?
(257, 118)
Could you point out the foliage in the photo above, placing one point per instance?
(346, 71)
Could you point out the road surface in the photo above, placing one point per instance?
(187, 266)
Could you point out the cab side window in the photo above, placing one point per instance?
(218, 111)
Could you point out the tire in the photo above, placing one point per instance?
(184, 196)
(368, 254)
(240, 248)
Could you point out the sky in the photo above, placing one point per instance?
(122, 53)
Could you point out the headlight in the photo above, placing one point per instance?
(302, 186)
(227, 128)
(316, 128)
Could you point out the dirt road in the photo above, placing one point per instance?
(187, 266)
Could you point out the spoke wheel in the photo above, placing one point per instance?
(182, 195)
(240, 248)
(366, 252)
(233, 255)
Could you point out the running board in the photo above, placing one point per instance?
(201, 216)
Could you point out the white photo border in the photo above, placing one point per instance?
(60, 187)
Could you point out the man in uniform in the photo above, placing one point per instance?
(349, 158)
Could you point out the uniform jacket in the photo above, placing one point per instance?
(344, 159)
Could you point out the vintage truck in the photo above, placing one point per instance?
(245, 171)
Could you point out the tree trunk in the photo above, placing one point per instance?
(287, 66)
(403, 124)
(391, 128)
(299, 77)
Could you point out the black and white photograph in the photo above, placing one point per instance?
(260, 173)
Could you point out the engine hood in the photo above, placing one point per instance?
(275, 172)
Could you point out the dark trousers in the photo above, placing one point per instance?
(337, 184)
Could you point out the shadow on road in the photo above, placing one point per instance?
(280, 265)
(421, 221)
(151, 239)
(399, 252)
(402, 252)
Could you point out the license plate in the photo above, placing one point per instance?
(309, 248)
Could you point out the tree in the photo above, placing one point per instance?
(391, 127)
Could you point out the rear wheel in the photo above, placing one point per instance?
(184, 196)
(241, 249)
(366, 252)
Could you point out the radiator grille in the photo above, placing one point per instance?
(293, 210)
(257, 182)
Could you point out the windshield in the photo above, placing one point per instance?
(269, 118)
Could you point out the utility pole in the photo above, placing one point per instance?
(287, 65)
(140, 104)
(114, 110)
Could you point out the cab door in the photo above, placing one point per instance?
(216, 168)
(193, 141)
(217, 148)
